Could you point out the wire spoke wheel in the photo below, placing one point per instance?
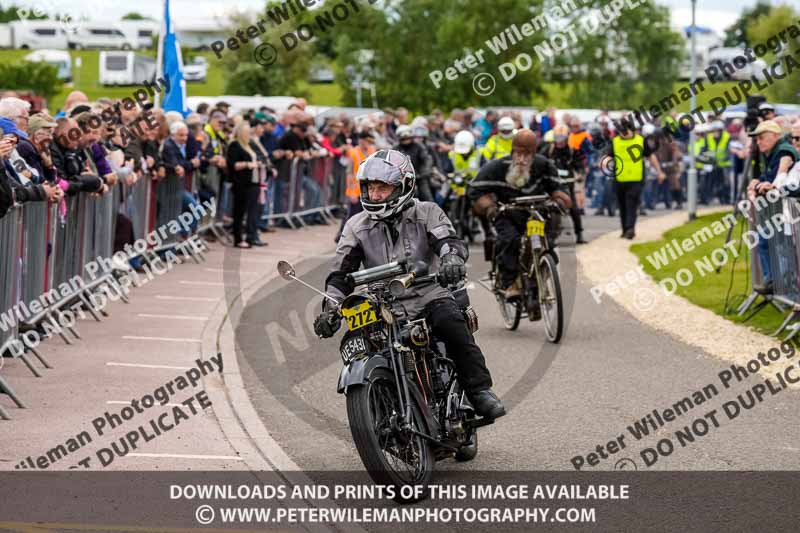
(550, 299)
(393, 454)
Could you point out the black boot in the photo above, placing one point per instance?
(579, 238)
(487, 404)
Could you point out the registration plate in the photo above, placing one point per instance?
(359, 316)
(460, 190)
(535, 227)
(353, 348)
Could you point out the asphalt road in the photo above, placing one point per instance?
(564, 400)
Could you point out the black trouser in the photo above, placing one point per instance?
(510, 227)
(628, 193)
(245, 202)
(575, 211)
(449, 326)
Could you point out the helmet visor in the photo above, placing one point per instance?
(378, 169)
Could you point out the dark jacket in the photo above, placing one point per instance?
(69, 165)
(30, 154)
(172, 158)
(242, 177)
(422, 161)
(6, 194)
(565, 158)
(492, 179)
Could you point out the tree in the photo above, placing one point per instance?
(409, 39)
(39, 77)
(135, 16)
(245, 76)
(736, 35)
(13, 13)
(766, 28)
(612, 62)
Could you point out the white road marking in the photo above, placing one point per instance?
(138, 365)
(174, 317)
(117, 402)
(186, 298)
(185, 456)
(223, 270)
(204, 283)
(167, 339)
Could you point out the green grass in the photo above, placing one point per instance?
(86, 76)
(709, 291)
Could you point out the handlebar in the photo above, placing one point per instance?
(369, 275)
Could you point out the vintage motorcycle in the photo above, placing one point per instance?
(405, 406)
(540, 285)
(457, 206)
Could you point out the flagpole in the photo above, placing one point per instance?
(160, 52)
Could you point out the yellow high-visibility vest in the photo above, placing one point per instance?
(629, 156)
(719, 149)
(496, 147)
(468, 166)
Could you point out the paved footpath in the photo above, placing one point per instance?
(170, 322)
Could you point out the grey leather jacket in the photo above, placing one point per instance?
(417, 233)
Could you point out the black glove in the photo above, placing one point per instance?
(328, 323)
(452, 269)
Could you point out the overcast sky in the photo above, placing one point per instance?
(717, 14)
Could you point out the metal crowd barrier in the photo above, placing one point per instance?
(296, 203)
(783, 240)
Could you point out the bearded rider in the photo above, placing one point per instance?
(395, 226)
(522, 173)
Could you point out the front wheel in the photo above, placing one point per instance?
(392, 454)
(550, 298)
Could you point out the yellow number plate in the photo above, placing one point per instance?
(359, 316)
(460, 190)
(535, 227)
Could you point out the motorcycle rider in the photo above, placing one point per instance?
(394, 226)
(464, 157)
(499, 144)
(567, 158)
(522, 173)
(420, 158)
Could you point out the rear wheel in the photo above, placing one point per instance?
(550, 299)
(393, 455)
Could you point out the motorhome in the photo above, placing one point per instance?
(58, 58)
(35, 34)
(139, 32)
(125, 68)
(103, 36)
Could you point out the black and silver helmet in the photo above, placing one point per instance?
(392, 167)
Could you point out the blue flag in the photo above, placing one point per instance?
(172, 67)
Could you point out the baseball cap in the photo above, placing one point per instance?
(765, 106)
(39, 121)
(766, 126)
